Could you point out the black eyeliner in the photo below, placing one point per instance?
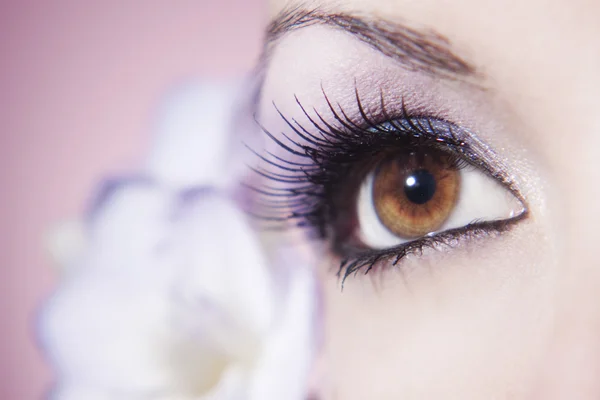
(313, 188)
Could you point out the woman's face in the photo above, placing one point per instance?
(502, 101)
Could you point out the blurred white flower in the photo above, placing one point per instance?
(169, 296)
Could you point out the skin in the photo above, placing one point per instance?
(513, 316)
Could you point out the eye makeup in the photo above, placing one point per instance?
(332, 110)
(311, 179)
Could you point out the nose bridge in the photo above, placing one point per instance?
(578, 182)
(571, 367)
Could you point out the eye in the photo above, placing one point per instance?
(410, 195)
(377, 188)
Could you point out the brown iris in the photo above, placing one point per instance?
(414, 194)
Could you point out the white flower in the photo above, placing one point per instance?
(171, 297)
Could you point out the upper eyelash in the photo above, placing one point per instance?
(345, 144)
(304, 198)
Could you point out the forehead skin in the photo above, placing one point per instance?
(541, 59)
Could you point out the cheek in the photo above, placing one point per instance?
(468, 323)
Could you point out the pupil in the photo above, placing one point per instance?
(420, 186)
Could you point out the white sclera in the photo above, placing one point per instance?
(481, 198)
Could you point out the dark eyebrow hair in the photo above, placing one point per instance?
(416, 50)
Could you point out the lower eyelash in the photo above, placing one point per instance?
(368, 260)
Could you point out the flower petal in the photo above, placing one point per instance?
(193, 135)
(282, 372)
(221, 259)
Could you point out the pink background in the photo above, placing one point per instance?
(78, 83)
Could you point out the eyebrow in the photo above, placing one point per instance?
(417, 50)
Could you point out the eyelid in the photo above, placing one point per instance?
(463, 141)
(475, 151)
(380, 115)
